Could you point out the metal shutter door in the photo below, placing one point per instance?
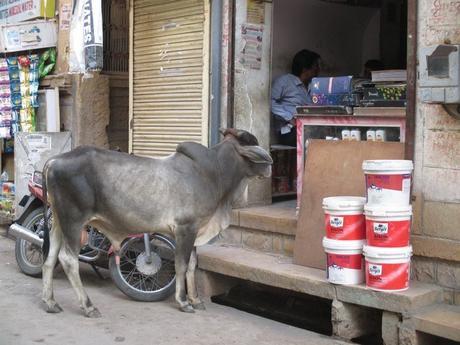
(169, 68)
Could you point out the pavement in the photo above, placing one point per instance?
(124, 321)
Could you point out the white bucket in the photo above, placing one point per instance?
(388, 226)
(388, 182)
(387, 269)
(345, 263)
(345, 218)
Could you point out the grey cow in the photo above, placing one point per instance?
(187, 194)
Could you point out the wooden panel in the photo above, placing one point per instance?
(169, 67)
(332, 168)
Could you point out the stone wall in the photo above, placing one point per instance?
(252, 97)
(118, 129)
(436, 230)
(91, 111)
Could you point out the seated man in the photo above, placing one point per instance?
(292, 90)
(372, 65)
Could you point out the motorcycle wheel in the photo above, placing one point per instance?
(29, 256)
(142, 281)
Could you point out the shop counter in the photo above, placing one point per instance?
(391, 121)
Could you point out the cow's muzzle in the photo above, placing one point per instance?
(20, 231)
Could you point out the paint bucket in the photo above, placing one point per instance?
(387, 269)
(388, 181)
(344, 261)
(388, 226)
(344, 218)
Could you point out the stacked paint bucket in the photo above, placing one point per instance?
(345, 237)
(388, 214)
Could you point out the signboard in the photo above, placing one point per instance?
(14, 11)
(32, 150)
(29, 35)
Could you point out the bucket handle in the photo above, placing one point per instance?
(390, 213)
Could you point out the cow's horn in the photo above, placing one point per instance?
(246, 138)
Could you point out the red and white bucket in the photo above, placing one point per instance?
(387, 269)
(388, 226)
(344, 218)
(345, 262)
(388, 182)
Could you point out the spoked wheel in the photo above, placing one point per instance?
(143, 279)
(29, 256)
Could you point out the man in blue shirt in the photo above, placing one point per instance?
(292, 90)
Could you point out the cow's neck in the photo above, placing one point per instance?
(231, 171)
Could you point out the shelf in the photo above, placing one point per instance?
(380, 111)
(274, 195)
(277, 147)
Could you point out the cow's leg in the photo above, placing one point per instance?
(69, 261)
(185, 240)
(48, 269)
(191, 285)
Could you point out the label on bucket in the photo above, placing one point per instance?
(387, 276)
(336, 222)
(383, 189)
(345, 269)
(352, 227)
(388, 234)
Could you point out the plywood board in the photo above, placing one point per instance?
(332, 168)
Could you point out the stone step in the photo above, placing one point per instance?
(440, 320)
(277, 218)
(269, 228)
(279, 271)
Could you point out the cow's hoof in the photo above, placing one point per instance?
(54, 308)
(187, 308)
(93, 313)
(199, 306)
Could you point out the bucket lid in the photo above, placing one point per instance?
(343, 245)
(344, 203)
(387, 211)
(388, 164)
(387, 252)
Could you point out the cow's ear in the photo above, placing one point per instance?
(255, 154)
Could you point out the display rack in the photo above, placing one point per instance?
(284, 171)
(320, 126)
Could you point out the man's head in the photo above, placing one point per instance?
(372, 65)
(305, 65)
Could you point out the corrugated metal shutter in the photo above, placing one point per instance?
(169, 74)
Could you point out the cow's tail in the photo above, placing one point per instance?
(46, 229)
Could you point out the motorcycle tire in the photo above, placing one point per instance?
(142, 281)
(29, 256)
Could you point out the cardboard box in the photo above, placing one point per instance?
(385, 93)
(331, 85)
(345, 99)
(27, 36)
(15, 11)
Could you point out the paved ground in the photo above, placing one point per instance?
(23, 320)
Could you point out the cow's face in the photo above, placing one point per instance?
(258, 161)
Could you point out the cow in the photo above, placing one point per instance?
(188, 195)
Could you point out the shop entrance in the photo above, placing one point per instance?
(348, 35)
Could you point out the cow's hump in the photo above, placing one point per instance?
(200, 154)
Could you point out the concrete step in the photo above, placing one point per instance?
(279, 271)
(277, 218)
(269, 228)
(440, 320)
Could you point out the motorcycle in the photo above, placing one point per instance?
(146, 271)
